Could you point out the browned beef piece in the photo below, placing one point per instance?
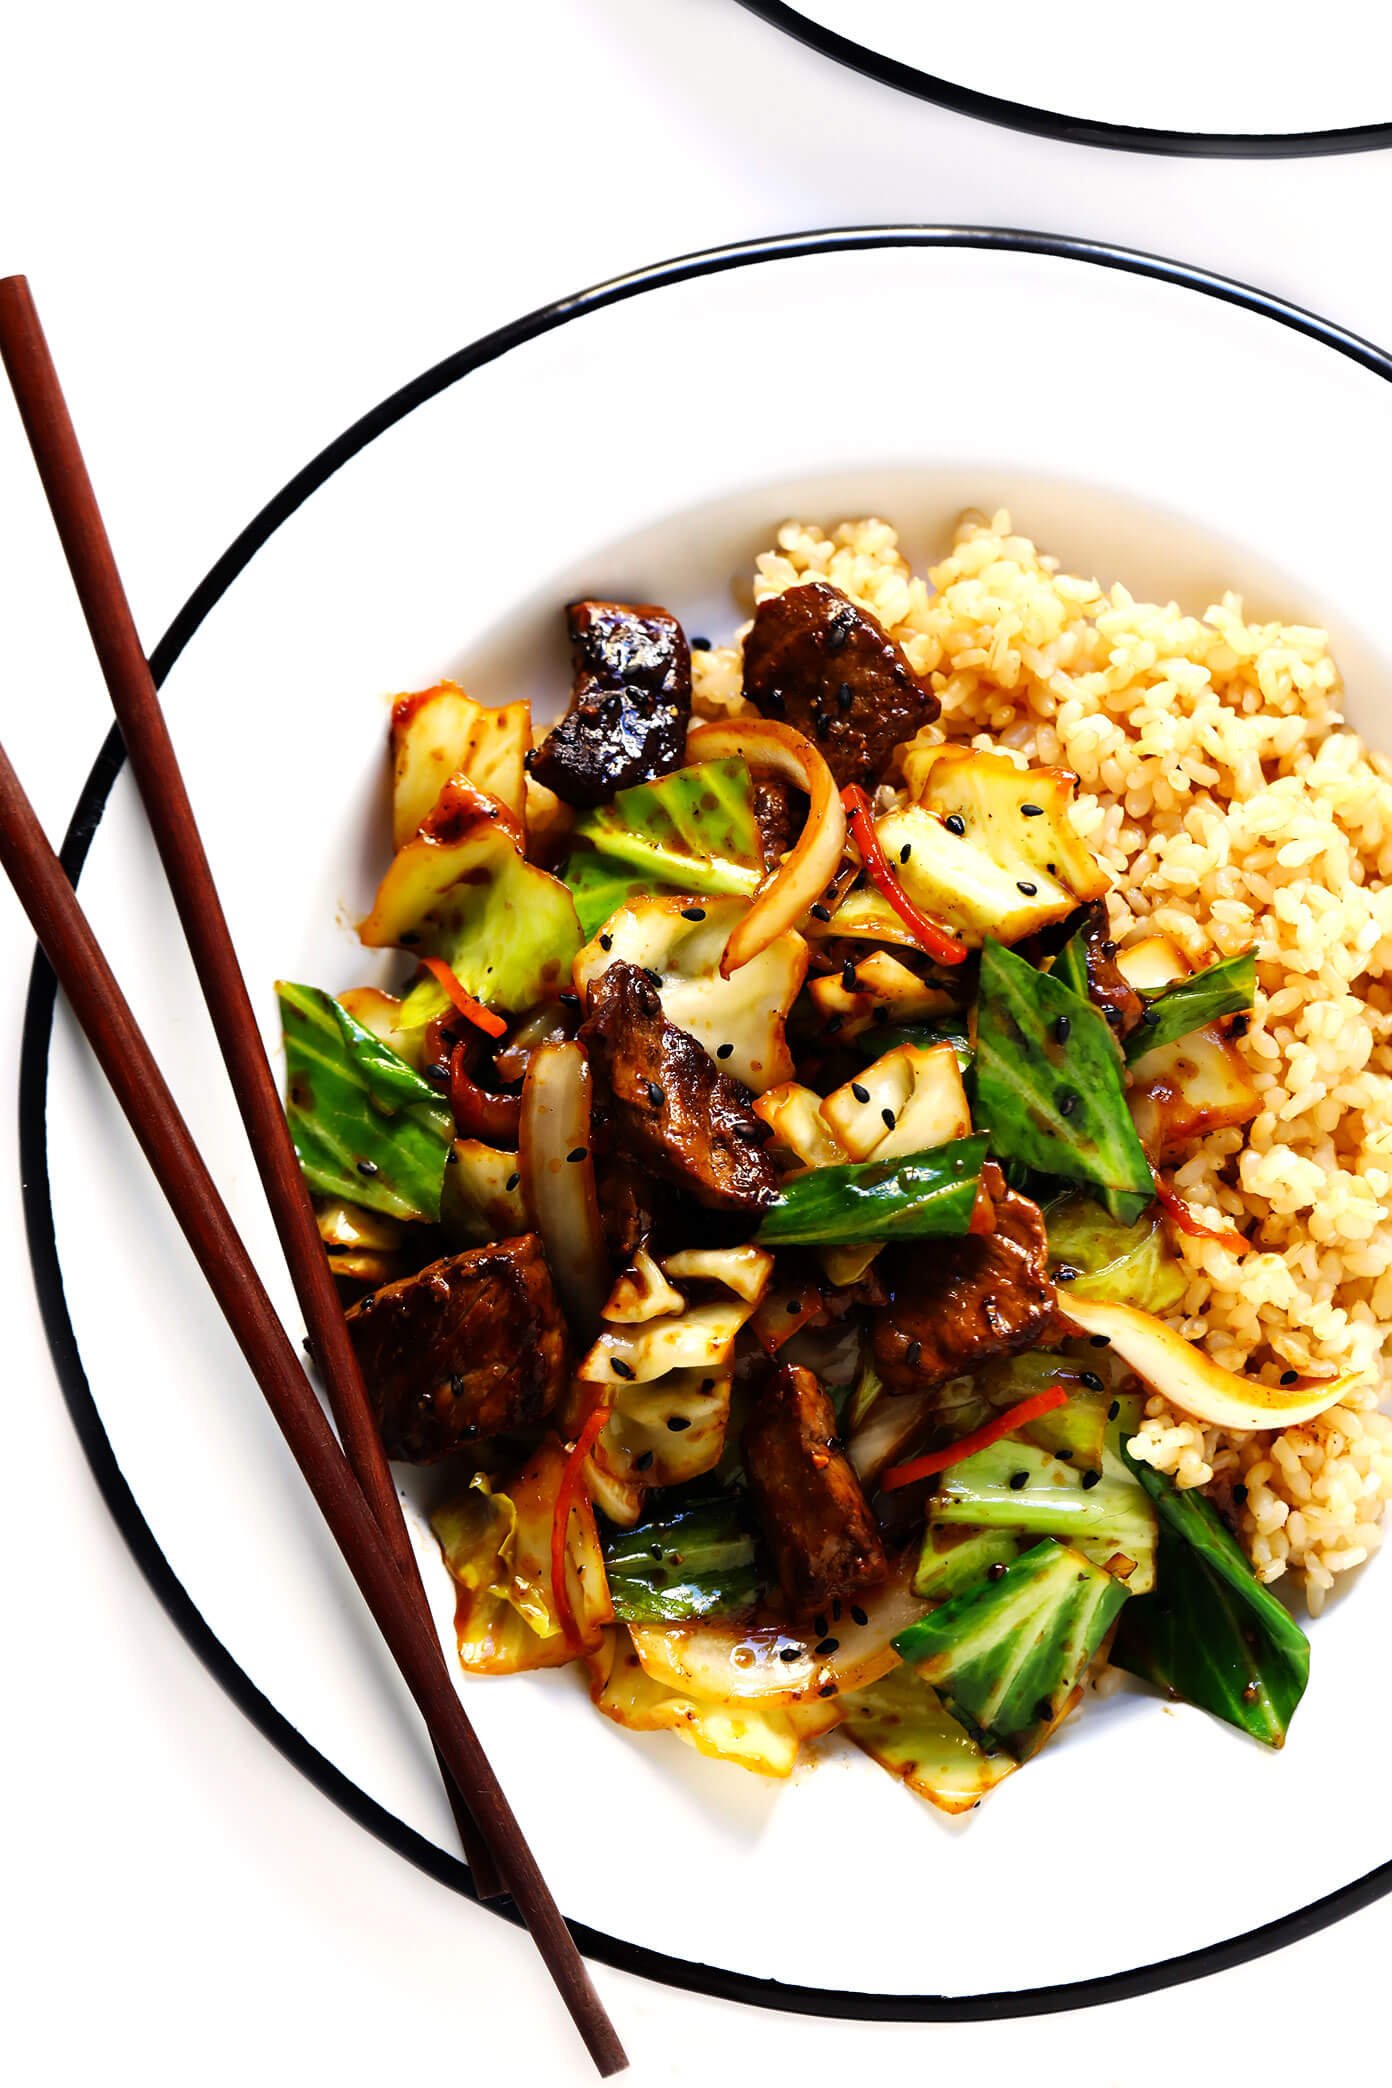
(1121, 1005)
(953, 1303)
(823, 1538)
(474, 1345)
(625, 1206)
(776, 816)
(666, 1104)
(826, 666)
(629, 707)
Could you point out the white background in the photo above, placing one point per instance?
(243, 227)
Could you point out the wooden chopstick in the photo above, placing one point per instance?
(395, 1598)
(74, 505)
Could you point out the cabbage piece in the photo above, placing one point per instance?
(692, 831)
(1048, 1084)
(748, 1011)
(888, 1428)
(1000, 870)
(766, 1664)
(463, 890)
(908, 1101)
(1194, 1003)
(1211, 1634)
(366, 1127)
(441, 733)
(904, 1726)
(801, 1133)
(667, 1374)
(363, 1246)
(482, 1197)
(885, 992)
(924, 1195)
(953, 1560)
(1013, 1485)
(763, 1738)
(497, 1546)
(694, 1561)
(1131, 1264)
(1008, 1655)
(1180, 1090)
(642, 1293)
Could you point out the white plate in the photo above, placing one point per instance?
(1243, 77)
(644, 440)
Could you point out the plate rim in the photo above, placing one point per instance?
(37, 1200)
(1056, 124)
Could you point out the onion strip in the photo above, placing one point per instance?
(794, 888)
(558, 1179)
(560, 1521)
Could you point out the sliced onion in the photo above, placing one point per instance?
(559, 1190)
(736, 1663)
(1192, 1381)
(810, 865)
(895, 1423)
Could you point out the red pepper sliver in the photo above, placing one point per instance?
(473, 1011)
(1176, 1209)
(937, 941)
(560, 1521)
(980, 1439)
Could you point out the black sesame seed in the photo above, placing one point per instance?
(1063, 1026)
(1031, 811)
(860, 1091)
(1109, 950)
(1064, 1456)
(1043, 1710)
(1113, 1410)
(368, 1168)
(1017, 1480)
(606, 942)
(1111, 1016)
(1239, 1025)
(620, 1368)
(837, 636)
(1092, 1380)
(825, 1647)
(997, 1571)
(912, 1354)
(858, 1615)
(789, 1652)
(1030, 890)
(1099, 1341)
(819, 1625)
(649, 973)
(700, 645)
(793, 1307)
(577, 1153)
(848, 976)
(1290, 1377)
(656, 1096)
(820, 912)
(678, 1422)
(955, 823)
(1150, 1016)
(643, 1463)
(568, 999)
(1067, 1101)
(693, 913)
(906, 851)
(1239, 1493)
(512, 1182)
(1090, 1479)
(845, 696)
(723, 1050)
(828, 1689)
(1066, 1273)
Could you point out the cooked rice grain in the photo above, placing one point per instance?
(1219, 789)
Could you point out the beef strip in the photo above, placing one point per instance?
(776, 817)
(954, 1303)
(475, 1345)
(666, 1105)
(826, 666)
(1121, 1005)
(628, 709)
(625, 1206)
(823, 1538)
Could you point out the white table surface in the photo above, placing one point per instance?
(243, 226)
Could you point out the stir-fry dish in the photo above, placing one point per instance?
(872, 1220)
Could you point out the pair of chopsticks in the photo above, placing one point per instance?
(353, 1484)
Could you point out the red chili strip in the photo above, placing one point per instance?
(980, 1439)
(474, 1011)
(931, 936)
(560, 1522)
(1179, 1212)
